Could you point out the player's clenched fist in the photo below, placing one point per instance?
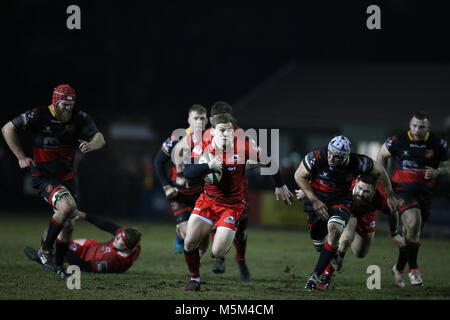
(26, 163)
(215, 164)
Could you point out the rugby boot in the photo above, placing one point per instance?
(399, 280)
(61, 273)
(219, 267)
(337, 261)
(191, 286)
(311, 284)
(47, 260)
(243, 270)
(415, 277)
(324, 283)
(32, 254)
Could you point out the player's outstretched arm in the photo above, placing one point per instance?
(194, 171)
(301, 177)
(178, 151)
(161, 160)
(380, 172)
(101, 223)
(383, 156)
(393, 228)
(97, 142)
(12, 139)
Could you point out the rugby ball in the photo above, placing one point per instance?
(213, 177)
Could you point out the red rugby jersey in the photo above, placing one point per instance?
(232, 187)
(104, 258)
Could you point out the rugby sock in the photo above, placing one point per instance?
(402, 259)
(329, 270)
(54, 228)
(412, 249)
(326, 254)
(240, 247)
(193, 262)
(60, 251)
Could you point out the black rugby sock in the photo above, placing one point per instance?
(60, 251)
(402, 258)
(326, 254)
(54, 228)
(412, 249)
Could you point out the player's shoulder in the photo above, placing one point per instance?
(360, 162)
(437, 141)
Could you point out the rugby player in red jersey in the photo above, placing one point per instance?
(114, 256)
(368, 196)
(325, 176)
(56, 132)
(221, 204)
(240, 240)
(419, 157)
(179, 192)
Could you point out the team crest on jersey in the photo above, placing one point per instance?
(372, 224)
(401, 202)
(73, 247)
(317, 154)
(49, 188)
(234, 158)
(429, 154)
(229, 219)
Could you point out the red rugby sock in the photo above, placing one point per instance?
(193, 262)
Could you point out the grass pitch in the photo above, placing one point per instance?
(279, 261)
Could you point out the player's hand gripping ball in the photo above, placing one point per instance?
(214, 176)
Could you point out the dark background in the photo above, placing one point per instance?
(148, 62)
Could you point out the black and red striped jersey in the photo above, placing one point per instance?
(167, 147)
(54, 143)
(330, 183)
(411, 157)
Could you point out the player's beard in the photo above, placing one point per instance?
(63, 115)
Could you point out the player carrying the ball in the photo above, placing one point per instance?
(222, 203)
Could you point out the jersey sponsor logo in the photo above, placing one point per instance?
(229, 219)
(444, 143)
(197, 209)
(120, 253)
(232, 168)
(197, 150)
(429, 153)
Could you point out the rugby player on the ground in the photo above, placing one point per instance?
(417, 155)
(325, 176)
(56, 132)
(222, 204)
(181, 193)
(114, 256)
(368, 196)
